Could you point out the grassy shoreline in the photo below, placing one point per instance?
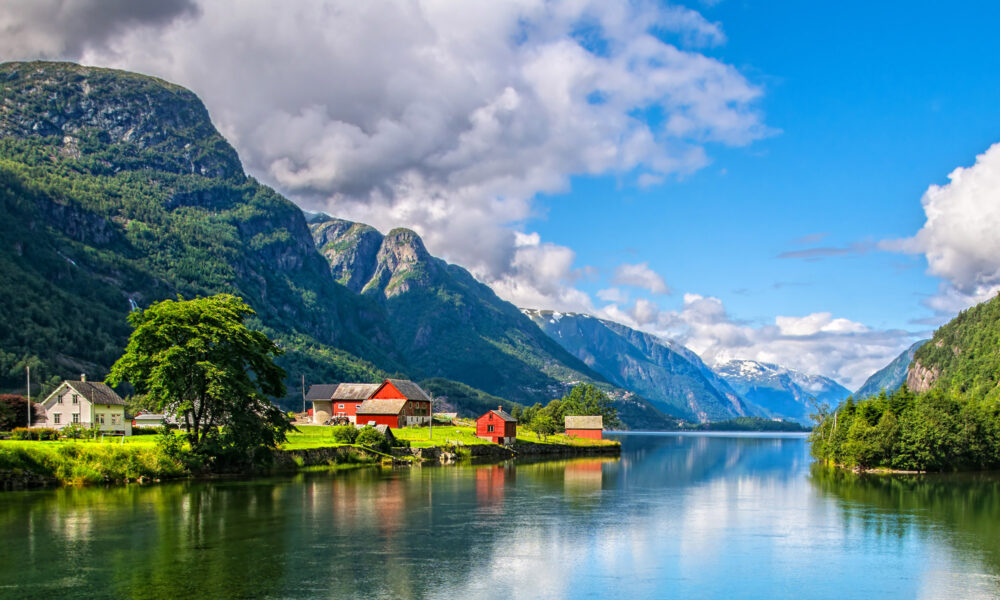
(140, 459)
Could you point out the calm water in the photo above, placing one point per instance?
(686, 516)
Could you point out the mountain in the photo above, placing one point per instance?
(782, 392)
(962, 355)
(669, 375)
(445, 322)
(451, 326)
(117, 191)
(891, 376)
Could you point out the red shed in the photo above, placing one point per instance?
(585, 426)
(382, 412)
(497, 426)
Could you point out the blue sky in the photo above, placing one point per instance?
(786, 151)
(874, 102)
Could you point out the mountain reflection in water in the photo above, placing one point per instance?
(694, 516)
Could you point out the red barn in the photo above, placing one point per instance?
(348, 397)
(416, 410)
(585, 426)
(497, 426)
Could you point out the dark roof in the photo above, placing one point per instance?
(96, 393)
(355, 391)
(410, 390)
(502, 414)
(391, 406)
(321, 391)
(584, 422)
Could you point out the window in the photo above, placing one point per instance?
(100, 419)
(76, 417)
(58, 399)
(340, 406)
(489, 429)
(55, 418)
(76, 398)
(114, 419)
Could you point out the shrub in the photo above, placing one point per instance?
(146, 431)
(47, 434)
(345, 434)
(74, 431)
(369, 436)
(22, 433)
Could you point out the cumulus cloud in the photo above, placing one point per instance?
(448, 118)
(640, 276)
(959, 238)
(818, 343)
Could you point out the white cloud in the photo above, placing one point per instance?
(640, 276)
(959, 237)
(613, 294)
(444, 117)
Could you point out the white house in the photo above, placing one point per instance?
(85, 403)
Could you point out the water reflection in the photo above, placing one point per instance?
(691, 516)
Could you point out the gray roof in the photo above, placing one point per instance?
(382, 406)
(385, 430)
(503, 415)
(355, 391)
(145, 416)
(96, 393)
(585, 422)
(321, 391)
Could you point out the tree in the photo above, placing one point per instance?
(198, 360)
(14, 412)
(543, 426)
(588, 399)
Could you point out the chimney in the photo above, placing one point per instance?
(500, 408)
(83, 377)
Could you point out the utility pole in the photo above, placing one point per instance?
(430, 428)
(303, 393)
(29, 395)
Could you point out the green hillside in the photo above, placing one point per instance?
(963, 356)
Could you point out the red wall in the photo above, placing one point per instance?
(390, 420)
(593, 434)
(350, 407)
(501, 428)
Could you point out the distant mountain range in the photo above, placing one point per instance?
(891, 376)
(669, 375)
(780, 391)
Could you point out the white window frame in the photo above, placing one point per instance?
(56, 419)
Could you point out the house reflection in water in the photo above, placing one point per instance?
(586, 475)
(491, 481)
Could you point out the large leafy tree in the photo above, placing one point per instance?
(588, 399)
(198, 360)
